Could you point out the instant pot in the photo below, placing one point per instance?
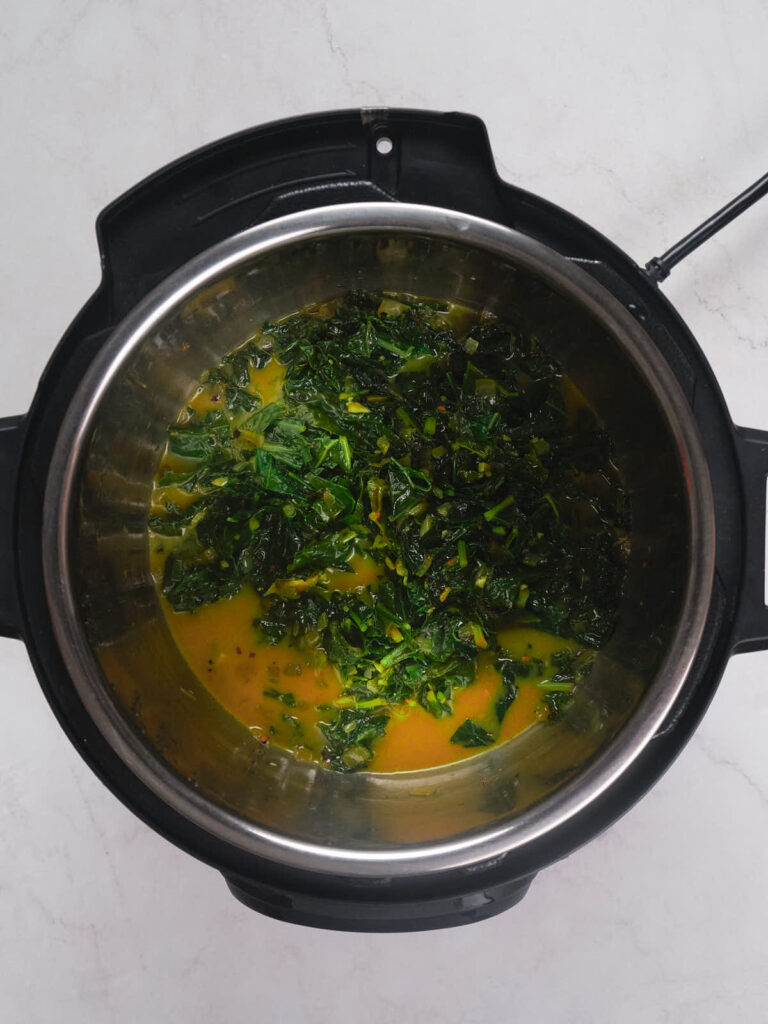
(256, 226)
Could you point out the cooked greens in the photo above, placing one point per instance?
(470, 734)
(453, 462)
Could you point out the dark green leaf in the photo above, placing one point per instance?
(333, 552)
(470, 734)
(509, 692)
(289, 699)
(350, 737)
(264, 418)
(188, 585)
(240, 400)
(192, 443)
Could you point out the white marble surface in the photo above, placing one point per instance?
(641, 118)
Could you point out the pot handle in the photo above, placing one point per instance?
(373, 910)
(12, 433)
(341, 156)
(750, 631)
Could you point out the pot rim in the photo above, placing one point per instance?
(542, 818)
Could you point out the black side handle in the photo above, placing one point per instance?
(751, 625)
(386, 154)
(12, 432)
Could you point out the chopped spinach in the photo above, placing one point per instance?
(448, 458)
(350, 736)
(508, 677)
(289, 699)
(188, 585)
(470, 734)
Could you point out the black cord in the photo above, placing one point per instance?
(659, 267)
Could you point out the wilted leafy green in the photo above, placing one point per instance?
(350, 737)
(470, 734)
(447, 456)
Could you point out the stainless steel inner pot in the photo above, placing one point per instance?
(160, 719)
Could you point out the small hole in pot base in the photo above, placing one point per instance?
(384, 145)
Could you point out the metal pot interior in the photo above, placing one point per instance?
(162, 720)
